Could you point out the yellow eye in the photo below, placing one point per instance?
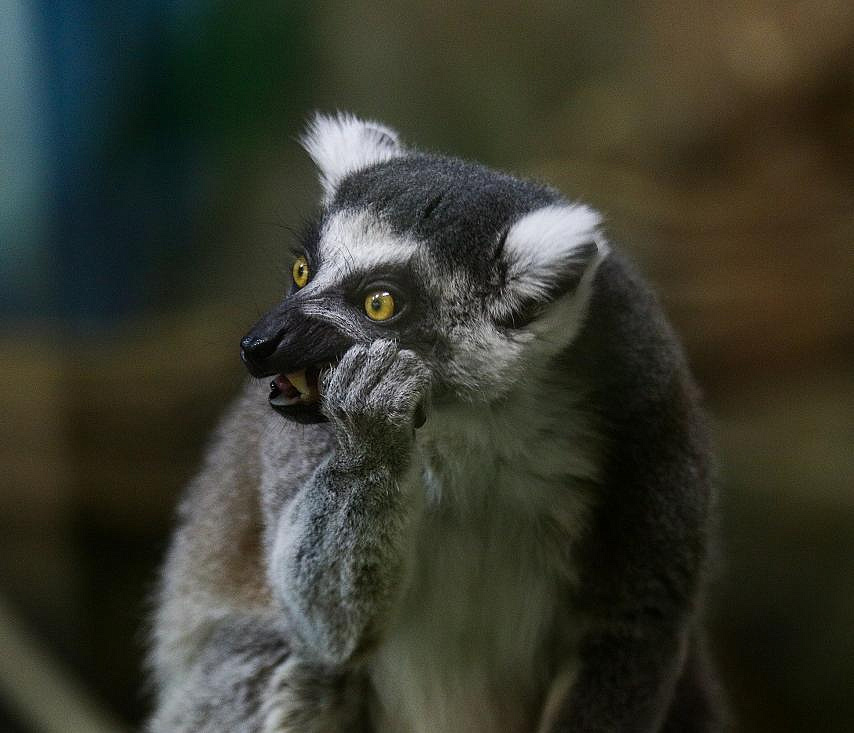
(379, 306)
(300, 272)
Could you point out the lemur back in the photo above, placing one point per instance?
(467, 488)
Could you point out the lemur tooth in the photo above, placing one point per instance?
(300, 382)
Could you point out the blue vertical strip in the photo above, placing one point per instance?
(140, 103)
(117, 201)
(75, 123)
(23, 164)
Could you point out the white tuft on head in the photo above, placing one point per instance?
(342, 144)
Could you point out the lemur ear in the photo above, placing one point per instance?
(343, 143)
(547, 254)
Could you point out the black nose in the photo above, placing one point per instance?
(255, 350)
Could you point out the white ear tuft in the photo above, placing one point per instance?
(343, 143)
(551, 247)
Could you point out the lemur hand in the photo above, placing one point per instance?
(373, 398)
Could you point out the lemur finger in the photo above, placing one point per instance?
(420, 416)
(402, 387)
(349, 387)
(409, 368)
(402, 382)
(418, 384)
(341, 374)
(380, 357)
(371, 367)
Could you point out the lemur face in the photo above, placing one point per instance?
(479, 273)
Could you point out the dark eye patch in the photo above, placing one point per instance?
(398, 281)
(305, 244)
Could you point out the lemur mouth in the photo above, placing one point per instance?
(296, 395)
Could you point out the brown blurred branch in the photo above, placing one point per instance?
(40, 690)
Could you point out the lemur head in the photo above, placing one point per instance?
(480, 273)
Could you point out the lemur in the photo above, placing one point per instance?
(467, 488)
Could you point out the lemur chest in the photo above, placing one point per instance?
(472, 643)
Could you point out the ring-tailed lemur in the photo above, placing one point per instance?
(480, 501)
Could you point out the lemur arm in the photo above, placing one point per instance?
(634, 649)
(337, 559)
(222, 657)
(641, 570)
(245, 677)
(332, 568)
(625, 682)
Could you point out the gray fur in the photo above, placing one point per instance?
(336, 561)
(531, 559)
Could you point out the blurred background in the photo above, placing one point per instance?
(149, 177)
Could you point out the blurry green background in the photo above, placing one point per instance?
(148, 181)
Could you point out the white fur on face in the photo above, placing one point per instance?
(357, 240)
(354, 241)
(342, 144)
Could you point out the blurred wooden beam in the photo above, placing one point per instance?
(40, 691)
